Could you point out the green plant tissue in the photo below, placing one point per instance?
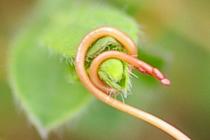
(40, 71)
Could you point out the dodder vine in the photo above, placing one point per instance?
(92, 82)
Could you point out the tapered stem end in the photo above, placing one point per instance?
(166, 82)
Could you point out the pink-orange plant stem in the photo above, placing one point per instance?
(138, 64)
(98, 88)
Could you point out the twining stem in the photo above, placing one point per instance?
(99, 90)
(138, 64)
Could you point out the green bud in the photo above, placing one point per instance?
(113, 72)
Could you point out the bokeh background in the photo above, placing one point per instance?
(178, 28)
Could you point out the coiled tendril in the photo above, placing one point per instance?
(92, 82)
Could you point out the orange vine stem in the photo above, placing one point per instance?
(138, 64)
(99, 89)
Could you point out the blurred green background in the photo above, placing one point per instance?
(179, 28)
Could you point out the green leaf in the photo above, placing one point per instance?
(68, 26)
(57, 34)
(41, 81)
(40, 74)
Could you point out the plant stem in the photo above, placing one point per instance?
(101, 93)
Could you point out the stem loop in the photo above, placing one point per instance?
(99, 90)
